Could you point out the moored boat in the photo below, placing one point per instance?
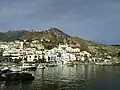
(70, 63)
(116, 64)
(109, 63)
(6, 74)
(28, 66)
(51, 64)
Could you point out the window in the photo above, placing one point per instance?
(35, 56)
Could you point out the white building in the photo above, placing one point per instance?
(5, 53)
(72, 57)
(4, 46)
(35, 41)
(32, 58)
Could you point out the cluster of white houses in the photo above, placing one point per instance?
(15, 50)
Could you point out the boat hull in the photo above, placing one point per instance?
(29, 68)
(13, 76)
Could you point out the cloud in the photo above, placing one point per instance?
(91, 19)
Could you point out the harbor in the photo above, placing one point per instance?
(84, 77)
(14, 72)
(30, 65)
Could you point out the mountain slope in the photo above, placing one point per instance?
(3, 37)
(51, 37)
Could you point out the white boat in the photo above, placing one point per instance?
(70, 63)
(13, 73)
(52, 64)
(12, 68)
(30, 66)
(15, 68)
(41, 66)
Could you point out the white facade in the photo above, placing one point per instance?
(21, 45)
(83, 59)
(32, 58)
(5, 53)
(72, 57)
(15, 57)
(4, 46)
(35, 41)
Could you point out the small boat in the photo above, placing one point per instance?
(108, 63)
(15, 68)
(6, 74)
(51, 64)
(70, 63)
(28, 66)
(116, 64)
(40, 66)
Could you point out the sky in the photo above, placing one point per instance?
(96, 20)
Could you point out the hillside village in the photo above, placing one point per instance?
(53, 45)
(16, 51)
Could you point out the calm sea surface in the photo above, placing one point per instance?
(80, 77)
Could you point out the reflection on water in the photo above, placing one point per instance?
(80, 77)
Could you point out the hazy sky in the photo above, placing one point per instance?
(97, 20)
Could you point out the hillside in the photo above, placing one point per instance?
(52, 37)
(3, 36)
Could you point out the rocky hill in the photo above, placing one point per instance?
(52, 37)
